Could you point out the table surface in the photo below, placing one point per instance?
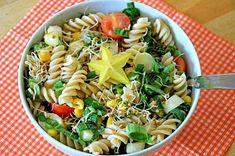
(216, 15)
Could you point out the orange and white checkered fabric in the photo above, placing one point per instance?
(209, 132)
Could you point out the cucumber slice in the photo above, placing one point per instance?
(55, 29)
(135, 147)
(52, 39)
(144, 58)
(173, 102)
(86, 135)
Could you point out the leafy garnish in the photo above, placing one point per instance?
(150, 89)
(178, 114)
(34, 86)
(138, 133)
(118, 89)
(89, 36)
(121, 32)
(38, 46)
(91, 75)
(55, 125)
(133, 76)
(89, 101)
(173, 50)
(59, 87)
(131, 11)
(139, 68)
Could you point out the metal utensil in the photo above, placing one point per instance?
(217, 81)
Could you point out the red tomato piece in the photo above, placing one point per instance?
(61, 110)
(112, 21)
(181, 64)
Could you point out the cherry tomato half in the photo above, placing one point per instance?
(61, 110)
(112, 21)
(180, 64)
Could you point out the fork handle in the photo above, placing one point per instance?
(218, 81)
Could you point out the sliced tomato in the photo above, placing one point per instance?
(61, 110)
(180, 64)
(112, 21)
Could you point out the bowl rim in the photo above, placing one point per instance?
(64, 148)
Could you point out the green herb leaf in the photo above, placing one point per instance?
(89, 101)
(89, 36)
(33, 85)
(58, 127)
(137, 132)
(139, 68)
(178, 114)
(121, 32)
(38, 46)
(59, 87)
(173, 50)
(133, 76)
(28, 93)
(150, 89)
(155, 67)
(169, 68)
(131, 11)
(118, 89)
(91, 75)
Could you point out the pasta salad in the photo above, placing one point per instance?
(108, 83)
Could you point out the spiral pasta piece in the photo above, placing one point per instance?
(165, 129)
(72, 87)
(49, 94)
(68, 141)
(69, 67)
(133, 119)
(99, 92)
(86, 21)
(115, 135)
(180, 85)
(36, 70)
(139, 29)
(167, 59)
(56, 63)
(98, 147)
(162, 31)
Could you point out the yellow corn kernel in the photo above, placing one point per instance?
(78, 112)
(44, 56)
(78, 103)
(52, 132)
(109, 121)
(75, 36)
(111, 103)
(187, 99)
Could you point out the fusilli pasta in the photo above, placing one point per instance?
(164, 129)
(98, 147)
(72, 87)
(162, 31)
(138, 30)
(57, 59)
(86, 21)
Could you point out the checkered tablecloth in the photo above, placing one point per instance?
(210, 131)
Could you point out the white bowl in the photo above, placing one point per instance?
(105, 6)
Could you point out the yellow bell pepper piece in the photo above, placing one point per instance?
(111, 103)
(187, 99)
(78, 103)
(78, 112)
(52, 132)
(109, 121)
(75, 36)
(44, 56)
